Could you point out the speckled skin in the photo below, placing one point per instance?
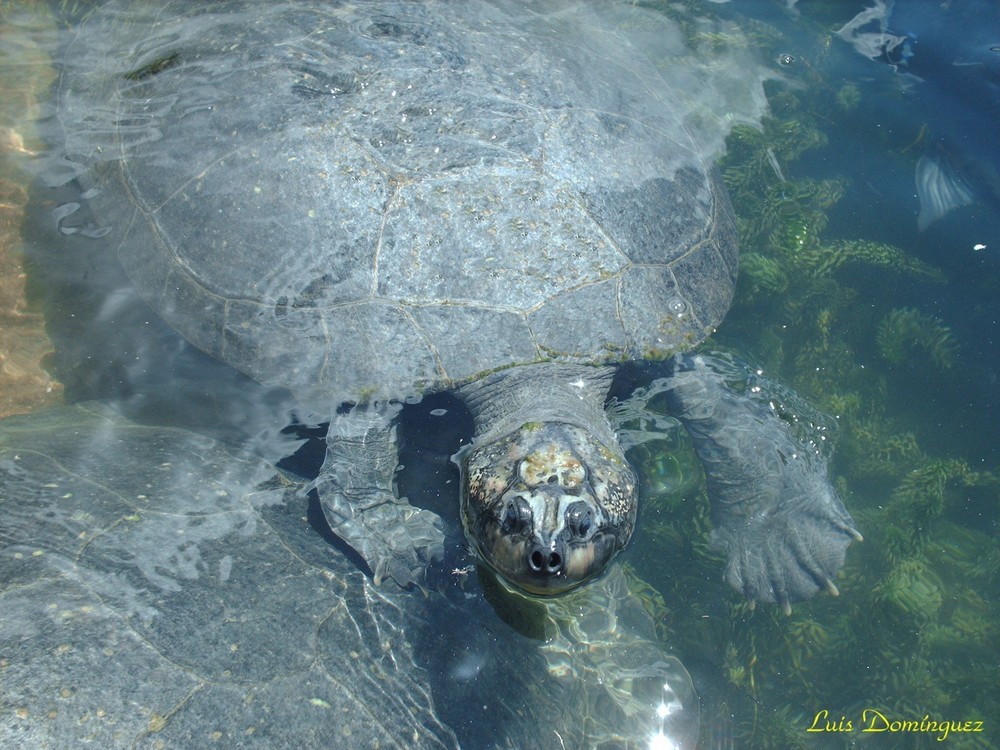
(547, 503)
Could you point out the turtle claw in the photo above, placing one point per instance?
(786, 605)
(780, 560)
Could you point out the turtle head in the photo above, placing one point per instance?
(547, 506)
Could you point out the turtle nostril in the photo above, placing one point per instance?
(537, 560)
(555, 562)
(545, 563)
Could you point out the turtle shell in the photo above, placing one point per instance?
(382, 199)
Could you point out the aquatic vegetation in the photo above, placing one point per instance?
(760, 275)
(676, 517)
(906, 330)
(651, 600)
(760, 156)
(913, 588)
(957, 547)
(923, 493)
(915, 627)
(848, 97)
(828, 258)
(970, 626)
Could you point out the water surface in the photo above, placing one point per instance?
(869, 209)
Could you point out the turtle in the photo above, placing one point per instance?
(507, 201)
(161, 588)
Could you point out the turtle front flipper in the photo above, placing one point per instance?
(359, 501)
(777, 516)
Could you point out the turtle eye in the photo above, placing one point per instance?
(516, 516)
(579, 519)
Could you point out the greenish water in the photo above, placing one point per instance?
(889, 329)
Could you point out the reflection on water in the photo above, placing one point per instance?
(26, 71)
(885, 322)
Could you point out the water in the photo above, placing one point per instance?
(887, 326)
(27, 72)
(905, 359)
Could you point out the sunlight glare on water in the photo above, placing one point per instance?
(868, 208)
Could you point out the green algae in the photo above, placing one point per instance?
(914, 630)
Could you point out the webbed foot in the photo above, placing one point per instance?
(782, 559)
(356, 489)
(396, 540)
(777, 515)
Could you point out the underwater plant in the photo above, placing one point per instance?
(906, 330)
(915, 629)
